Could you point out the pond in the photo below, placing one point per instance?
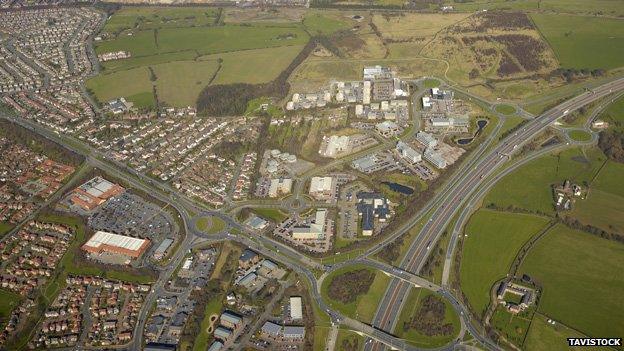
(481, 124)
(399, 188)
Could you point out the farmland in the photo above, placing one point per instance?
(187, 51)
(529, 186)
(493, 241)
(581, 280)
(576, 40)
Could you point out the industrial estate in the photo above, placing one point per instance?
(311, 175)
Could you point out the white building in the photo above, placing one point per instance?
(280, 186)
(296, 308)
(312, 231)
(408, 153)
(322, 188)
(426, 139)
(335, 145)
(435, 158)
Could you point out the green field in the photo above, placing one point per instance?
(179, 83)
(613, 114)
(205, 40)
(577, 39)
(253, 66)
(412, 304)
(581, 279)
(133, 84)
(610, 178)
(5, 228)
(213, 307)
(347, 341)
(494, 239)
(605, 7)
(145, 17)
(543, 336)
(365, 306)
(272, 214)
(9, 302)
(579, 135)
(212, 225)
(431, 83)
(505, 109)
(316, 23)
(185, 50)
(529, 187)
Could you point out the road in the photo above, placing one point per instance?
(417, 254)
(480, 164)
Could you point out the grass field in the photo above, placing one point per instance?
(9, 302)
(604, 7)
(604, 205)
(546, 337)
(272, 214)
(365, 306)
(529, 186)
(133, 84)
(505, 109)
(5, 228)
(579, 135)
(179, 83)
(149, 17)
(210, 225)
(318, 24)
(412, 304)
(494, 239)
(213, 307)
(613, 114)
(513, 326)
(581, 279)
(576, 40)
(253, 66)
(349, 341)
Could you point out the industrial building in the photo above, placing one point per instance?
(314, 230)
(408, 153)
(334, 145)
(322, 188)
(280, 186)
(372, 206)
(296, 308)
(93, 193)
(104, 242)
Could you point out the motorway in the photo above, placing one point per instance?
(480, 165)
(391, 303)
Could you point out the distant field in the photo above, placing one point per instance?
(365, 306)
(253, 66)
(605, 7)
(133, 84)
(604, 206)
(179, 83)
(412, 304)
(317, 23)
(613, 114)
(494, 239)
(147, 17)
(529, 187)
(581, 279)
(576, 40)
(205, 40)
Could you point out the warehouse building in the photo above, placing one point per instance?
(322, 188)
(296, 308)
(93, 193)
(109, 243)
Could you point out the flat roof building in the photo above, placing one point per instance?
(104, 242)
(296, 308)
(314, 230)
(94, 193)
(280, 186)
(321, 188)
